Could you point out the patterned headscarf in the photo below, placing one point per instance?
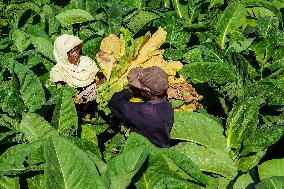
(76, 76)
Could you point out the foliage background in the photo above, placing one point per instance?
(232, 53)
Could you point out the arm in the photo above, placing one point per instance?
(120, 105)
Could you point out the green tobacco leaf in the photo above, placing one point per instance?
(69, 167)
(264, 25)
(124, 166)
(134, 140)
(271, 168)
(135, 3)
(243, 181)
(65, 115)
(213, 53)
(114, 14)
(267, 90)
(21, 40)
(36, 182)
(242, 121)
(209, 160)
(140, 19)
(74, 16)
(205, 71)
(22, 157)
(9, 182)
(263, 137)
(162, 172)
(246, 163)
(266, 48)
(43, 46)
(271, 183)
(35, 127)
(231, 19)
(198, 128)
(186, 164)
(31, 89)
(53, 23)
(176, 36)
(181, 10)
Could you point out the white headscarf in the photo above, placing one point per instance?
(80, 75)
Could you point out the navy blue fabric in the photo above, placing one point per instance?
(152, 119)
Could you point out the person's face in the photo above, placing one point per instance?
(74, 55)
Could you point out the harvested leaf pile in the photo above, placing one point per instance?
(116, 59)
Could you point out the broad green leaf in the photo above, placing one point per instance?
(247, 163)
(9, 182)
(21, 40)
(36, 182)
(209, 159)
(198, 128)
(11, 101)
(135, 3)
(205, 71)
(176, 35)
(213, 53)
(140, 19)
(271, 183)
(181, 10)
(135, 139)
(53, 23)
(36, 30)
(43, 46)
(242, 121)
(124, 166)
(22, 157)
(35, 127)
(231, 19)
(5, 43)
(264, 137)
(266, 48)
(267, 90)
(65, 115)
(264, 25)
(31, 89)
(186, 164)
(243, 181)
(67, 166)
(161, 173)
(74, 16)
(114, 19)
(271, 168)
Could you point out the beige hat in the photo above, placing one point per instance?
(152, 79)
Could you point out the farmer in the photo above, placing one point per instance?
(80, 72)
(152, 118)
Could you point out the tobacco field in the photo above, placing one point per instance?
(225, 59)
